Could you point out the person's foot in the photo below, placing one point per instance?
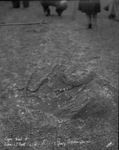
(47, 12)
(89, 26)
(106, 8)
(59, 12)
(15, 4)
(111, 16)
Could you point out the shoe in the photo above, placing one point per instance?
(59, 12)
(106, 8)
(111, 16)
(16, 4)
(47, 12)
(89, 26)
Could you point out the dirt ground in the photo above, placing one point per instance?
(25, 48)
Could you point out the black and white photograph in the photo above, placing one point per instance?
(59, 74)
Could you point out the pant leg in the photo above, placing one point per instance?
(46, 9)
(94, 19)
(89, 20)
(15, 3)
(113, 8)
(25, 3)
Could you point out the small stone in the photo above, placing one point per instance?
(50, 84)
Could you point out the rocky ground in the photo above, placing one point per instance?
(58, 80)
